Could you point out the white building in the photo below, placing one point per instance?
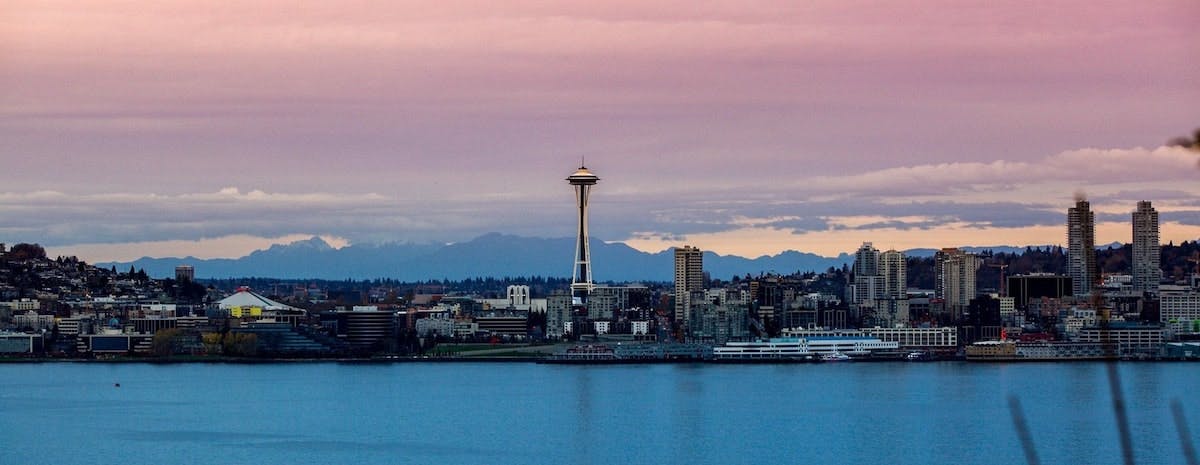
(32, 319)
(1179, 308)
(23, 305)
(518, 297)
(907, 338)
(440, 325)
(639, 327)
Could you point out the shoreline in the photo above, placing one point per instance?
(533, 360)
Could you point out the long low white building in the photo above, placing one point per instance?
(908, 338)
(795, 347)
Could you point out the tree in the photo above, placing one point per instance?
(241, 344)
(165, 342)
(25, 251)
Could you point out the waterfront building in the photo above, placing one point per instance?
(439, 324)
(794, 347)
(689, 277)
(21, 343)
(364, 328)
(114, 342)
(1147, 271)
(503, 325)
(941, 339)
(581, 276)
(287, 340)
(1133, 338)
(954, 279)
(1081, 248)
(1179, 309)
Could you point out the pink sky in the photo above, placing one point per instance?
(744, 127)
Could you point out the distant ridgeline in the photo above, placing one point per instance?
(499, 255)
(23, 266)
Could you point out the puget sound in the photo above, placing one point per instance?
(484, 413)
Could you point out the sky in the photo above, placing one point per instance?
(173, 128)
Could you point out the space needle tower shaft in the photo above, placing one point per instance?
(581, 277)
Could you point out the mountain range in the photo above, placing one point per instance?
(490, 255)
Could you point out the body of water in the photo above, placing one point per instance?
(490, 413)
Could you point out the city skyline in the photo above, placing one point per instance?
(215, 131)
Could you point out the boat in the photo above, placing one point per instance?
(919, 356)
(835, 357)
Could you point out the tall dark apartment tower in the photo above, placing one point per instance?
(1147, 271)
(689, 277)
(1081, 248)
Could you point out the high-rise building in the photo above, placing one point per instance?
(955, 278)
(868, 284)
(1081, 248)
(1147, 271)
(689, 277)
(187, 273)
(581, 276)
(893, 268)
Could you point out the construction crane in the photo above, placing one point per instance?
(1002, 267)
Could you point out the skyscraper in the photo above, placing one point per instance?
(581, 277)
(1081, 248)
(894, 269)
(1147, 271)
(868, 284)
(689, 277)
(955, 278)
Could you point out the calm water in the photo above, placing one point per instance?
(523, 413)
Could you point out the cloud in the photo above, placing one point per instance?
(232, 246)
(852, 206)
(442, 120)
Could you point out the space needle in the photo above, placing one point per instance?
(581, 277)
